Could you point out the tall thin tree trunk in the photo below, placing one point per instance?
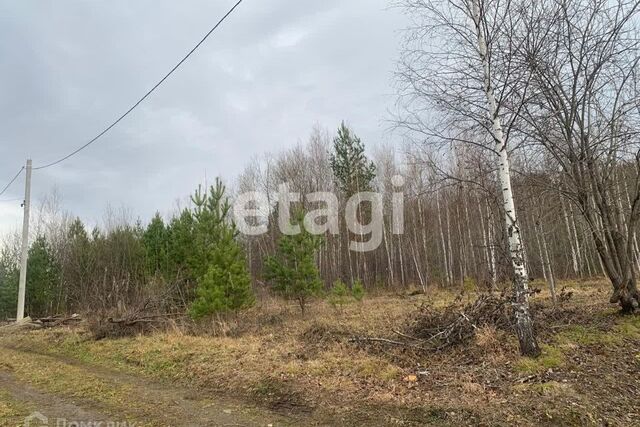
(576, 239)
(542, 261)
(449, 245)
(471, 245)
(524, 323)
(485, 238)
(388, 251)
(444, 245)
(424, 241)
(491, 249)
(401, 258)
(461, 243)
(570, 237)
(544, 252)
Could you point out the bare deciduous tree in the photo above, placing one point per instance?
(582, 60)
(458, 78)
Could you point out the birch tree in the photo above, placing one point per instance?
(457, 78)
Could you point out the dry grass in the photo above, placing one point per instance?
(273, 356)
(11, 411)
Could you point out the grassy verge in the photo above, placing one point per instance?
(12, 412)
(276, 358)
(77, 383)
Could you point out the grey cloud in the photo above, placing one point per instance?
(273, 70)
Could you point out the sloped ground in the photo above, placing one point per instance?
(310, 372)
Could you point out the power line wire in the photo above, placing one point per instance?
(6, 187)
(108, 128)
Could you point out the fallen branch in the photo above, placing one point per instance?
(53, 321)
(385, 341)
(149, 319)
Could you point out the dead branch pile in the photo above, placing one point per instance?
(149, 316)
(430, 329)
(457, 324)
(131, 324)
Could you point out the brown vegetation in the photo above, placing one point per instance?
(304, 366)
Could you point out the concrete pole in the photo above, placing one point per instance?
(25, 244)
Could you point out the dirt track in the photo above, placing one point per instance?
(135, 400)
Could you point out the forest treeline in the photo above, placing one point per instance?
(453, 236)
(521, 159)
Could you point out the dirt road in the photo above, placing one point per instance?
(67, 391)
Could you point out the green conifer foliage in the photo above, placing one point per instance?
(216, 258)
(293, 271)
(353, 171)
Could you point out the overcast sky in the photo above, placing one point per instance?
(259, 84)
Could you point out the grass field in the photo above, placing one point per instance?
(276, 365)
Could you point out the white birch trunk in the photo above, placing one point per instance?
(449, 247)
(524, 323)
(444, 245)
(424, 242)
(389, 262)
(491, 250)
(463, 257)
(485, 238)
(576, 239)
(416, 264)
(471, 245)
(542, 261)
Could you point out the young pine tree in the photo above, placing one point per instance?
(293, 271)
(224, 283)
(226, 286)
(353, 171)
(156, 246)
(338, 294)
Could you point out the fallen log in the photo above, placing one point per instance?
(52, 322)
(133, 320)
(26, 324)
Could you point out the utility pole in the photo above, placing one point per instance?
(25, 243)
